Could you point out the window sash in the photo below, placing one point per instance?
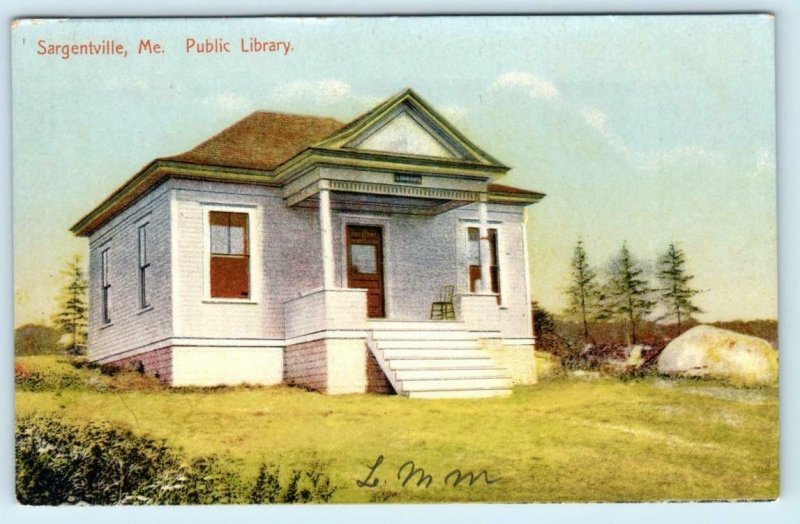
(143, 246)
(474, 260)
(228, 233)
(144, 298)
(105, 285)
(104, 267)
(229, 261)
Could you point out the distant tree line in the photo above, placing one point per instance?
(625, 293)
(69, 323)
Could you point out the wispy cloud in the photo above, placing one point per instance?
(597, 121)
(454, 113)
(529, 84)
(540, 88)
(329, 89)
(230, 101)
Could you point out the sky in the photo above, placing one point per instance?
(644, 130)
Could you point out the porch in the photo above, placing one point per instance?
(402, 239)
(388, 248)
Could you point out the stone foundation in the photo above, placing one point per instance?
(157, 363)
(306, 365)
(376, 378)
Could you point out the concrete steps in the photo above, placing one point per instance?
(436, 360)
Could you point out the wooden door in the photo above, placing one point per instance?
(365, 265)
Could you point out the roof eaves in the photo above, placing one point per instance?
(151, 175)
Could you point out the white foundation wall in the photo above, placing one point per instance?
(347, 366)
(285, 261)
(518, 360)
(132, 328)
(229, 366)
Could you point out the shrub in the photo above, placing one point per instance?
(58, 463)
(311, 485)
(30, 378)
(52, 373)
(99, 464)
(36, 339)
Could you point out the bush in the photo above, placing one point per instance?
(311, 485)
(29, 378)
(53, 373)
(36, 339)
(99, 464)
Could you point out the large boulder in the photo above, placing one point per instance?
(706, 351)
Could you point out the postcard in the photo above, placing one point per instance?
(395, 260)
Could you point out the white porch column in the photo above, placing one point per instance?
(327, 237)
(486, 276)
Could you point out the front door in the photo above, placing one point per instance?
(365, 265)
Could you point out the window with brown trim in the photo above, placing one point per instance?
(474, 260)
(144, 267)
(230, 255)
(106, 286)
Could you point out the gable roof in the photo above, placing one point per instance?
(262, 140)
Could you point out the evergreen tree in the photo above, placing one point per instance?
(629, 293)
(675, 293)
(585, 298)
(72, 317)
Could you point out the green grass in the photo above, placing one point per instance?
(560, 440)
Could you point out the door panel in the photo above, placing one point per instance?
(365, 265)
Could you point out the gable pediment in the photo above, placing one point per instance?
(405, 133)
(406, 125)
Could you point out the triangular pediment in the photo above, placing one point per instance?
(405, 133)
(406, 125)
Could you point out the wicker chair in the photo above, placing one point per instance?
(443, 308)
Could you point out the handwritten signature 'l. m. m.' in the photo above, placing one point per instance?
(410, 473)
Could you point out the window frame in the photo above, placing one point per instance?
(105, 286)
(495, 271)
(253, 249)
(144, 265)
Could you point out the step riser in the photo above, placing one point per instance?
(456, 384)
(460, 394)
(433, 325)
(427, 344)
(422, 335)
(441, 364)
(434, 374)
(391, 354)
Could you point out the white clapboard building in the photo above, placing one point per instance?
(380, 255)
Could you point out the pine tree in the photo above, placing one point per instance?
(629, 293)
(71, 318)
(585, 298)
(675, 293)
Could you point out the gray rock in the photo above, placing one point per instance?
(706, 351)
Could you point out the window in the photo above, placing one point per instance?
(144, 265)
(106, 286)
(474, 260)
(230, 255)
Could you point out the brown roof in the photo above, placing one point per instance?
(262, 140)
(500, 188)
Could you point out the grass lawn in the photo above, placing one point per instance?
(560, 440)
